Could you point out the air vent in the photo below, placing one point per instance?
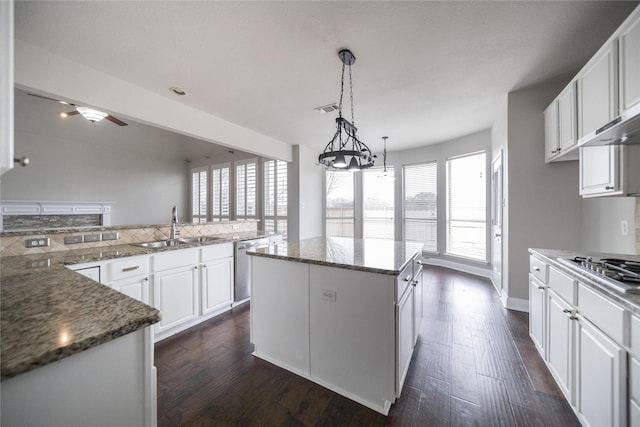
(327, 108)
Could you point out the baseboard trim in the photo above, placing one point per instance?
(517, 304)
(465, 268)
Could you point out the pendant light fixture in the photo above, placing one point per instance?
(345, 151)
(385, 173)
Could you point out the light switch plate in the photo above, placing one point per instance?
(72, 239)
(328, 295)
(91, 238)
(624, 228)
(110, 236)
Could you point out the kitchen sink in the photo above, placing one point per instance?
(177, 242)
(161, 243)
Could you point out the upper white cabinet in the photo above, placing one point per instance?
(6, 86)
(560, 121)
(629, 60)
(598, 90)
(609, 170)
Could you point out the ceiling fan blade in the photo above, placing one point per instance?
(116, 121)
(50, 99)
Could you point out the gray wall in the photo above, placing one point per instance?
(601, 224)
(143, 171)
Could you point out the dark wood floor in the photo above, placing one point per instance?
(474, 365)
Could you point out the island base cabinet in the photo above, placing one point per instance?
(352, 344)
(280, 316)
(113, 384)
(601, 378)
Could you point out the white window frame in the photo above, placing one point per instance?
(433, 221)
(448, 220)
(352, 217)
(200, 218)
(217, 204)
(276, 201)
(243, 213)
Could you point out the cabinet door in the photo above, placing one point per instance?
(597, 90)
(537, 314)
(175, 294)
(417, 304)
(600, 378)
(560, 335)
(599, 170)
(629, 42)
(404, 313)
(135, 287)
(551, 146)
(217, 284)
(567, 120)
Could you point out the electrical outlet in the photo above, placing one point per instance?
(37, 242)
(328, 295)
(110, 236)
(72, 239)
(624, 228)
(235, 227)
(91, 238)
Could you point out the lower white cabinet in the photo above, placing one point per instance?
(135, 287)
(600, 378)
(537, 304)
(418, 303)
(216, 278)
(560, 333)
(175, 294)
(404, 313)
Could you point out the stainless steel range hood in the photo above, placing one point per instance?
(623, 130)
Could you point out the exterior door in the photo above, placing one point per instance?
(496, 223)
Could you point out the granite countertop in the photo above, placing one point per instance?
(627, 300)
(48, 312)
(373, 255)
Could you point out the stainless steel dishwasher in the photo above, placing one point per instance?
(242, 271)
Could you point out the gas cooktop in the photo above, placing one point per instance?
(620, 274)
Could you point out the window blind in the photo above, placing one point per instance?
(419, 210)
(220, 190)
(378, 203)
(199, 195)
(275, 196)
(339, 210)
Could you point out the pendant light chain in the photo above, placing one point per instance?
(353, 119)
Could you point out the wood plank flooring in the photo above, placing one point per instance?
(474, 365)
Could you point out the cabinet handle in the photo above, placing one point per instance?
(195, 267)
(130, 268)
(414, 283)
(609, 187)
(566, 310)
(406, 279)
(146, 279)
(204, 265)
(536, 268)
(541, 287)
(419, 262)
(573, 318)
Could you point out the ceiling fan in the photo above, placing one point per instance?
(90, 114)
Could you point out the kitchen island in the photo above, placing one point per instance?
(341, 312)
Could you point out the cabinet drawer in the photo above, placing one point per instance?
(403, 280)
(174, 259)
(539, 269)
(128, 267)
(222, 250)
(635, 336)
(563, 285)
(607, 316)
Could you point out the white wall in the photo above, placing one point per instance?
(305, 195)
(601, 225)
(543, 207)
(145, 174)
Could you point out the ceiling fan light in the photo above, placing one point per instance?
(340, 161)
(92, 115)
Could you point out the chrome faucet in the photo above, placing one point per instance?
(174, 223)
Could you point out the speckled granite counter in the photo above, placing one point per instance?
(374, 255)
(48, 312)
(551, 256)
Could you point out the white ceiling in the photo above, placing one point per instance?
(426, 72)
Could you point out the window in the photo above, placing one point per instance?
(275, 196)
(419, 211)
(199, 195)
(466, 206)
(246, 189)
(378, 203)
(339, 205)
(220, 189)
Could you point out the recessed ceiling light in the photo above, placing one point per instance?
(178, 91)
(327, 108)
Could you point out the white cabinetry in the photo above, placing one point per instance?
(175, 290)
(131, 277)
(216, 277)
(560, 330)
(609, 170)
(538, 276)
(600, 378)
(598, 90)
(135, 287)
(6, 86)
(560, 121)
(404, 312)
(418, 303)
(629, 48)
(634, 373)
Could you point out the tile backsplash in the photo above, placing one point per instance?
(13, 243)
